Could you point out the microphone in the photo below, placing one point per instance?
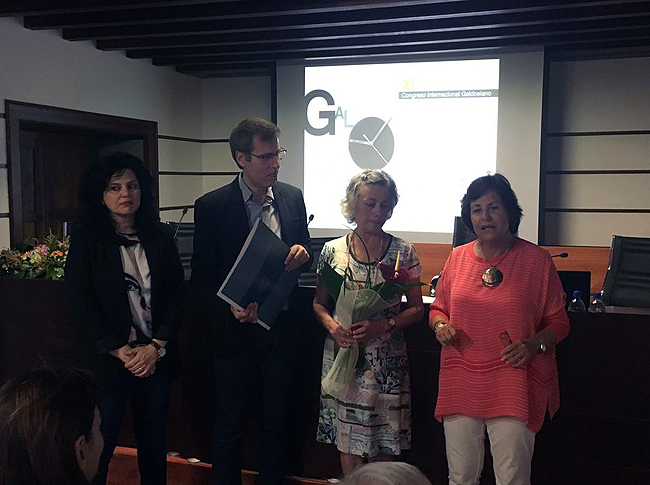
(560, 255)
(178, 226)
(310, 218)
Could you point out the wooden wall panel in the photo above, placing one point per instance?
(593, 259)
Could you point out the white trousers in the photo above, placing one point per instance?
(511, 445)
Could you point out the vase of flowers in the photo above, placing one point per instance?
(44, 259)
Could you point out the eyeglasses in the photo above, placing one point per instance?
(267, 157)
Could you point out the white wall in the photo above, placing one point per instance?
(224, 103)
(40, 67)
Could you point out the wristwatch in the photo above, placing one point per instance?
(391, 323)
(438, 326)
(159, 349)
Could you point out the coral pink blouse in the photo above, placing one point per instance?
(473, 379)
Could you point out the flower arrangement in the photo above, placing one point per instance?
(356, 301)
(37, 260)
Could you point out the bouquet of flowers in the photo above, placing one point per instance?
(36, 260)
(357, 301)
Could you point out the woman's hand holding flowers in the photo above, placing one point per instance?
(368, 329)
(342, 336)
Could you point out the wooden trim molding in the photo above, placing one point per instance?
(174, 172)
(600, 133)
(600, 211)
(175, 207)
(193, 140)
(597, 172)
(4, 215)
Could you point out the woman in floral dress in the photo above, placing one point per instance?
(372, 420)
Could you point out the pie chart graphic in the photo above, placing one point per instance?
(371, 143)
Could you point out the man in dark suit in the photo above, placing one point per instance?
(250, 361)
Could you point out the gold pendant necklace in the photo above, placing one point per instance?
(492, 277)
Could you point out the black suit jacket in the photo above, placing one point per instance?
(221, 229)
(99, 302)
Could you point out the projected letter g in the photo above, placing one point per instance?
(325, 115)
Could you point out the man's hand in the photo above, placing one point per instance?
(297, 256)
(247, 315)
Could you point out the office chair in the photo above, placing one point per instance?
(627, 282)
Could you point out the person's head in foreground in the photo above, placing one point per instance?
(49, 428)
(386, 473)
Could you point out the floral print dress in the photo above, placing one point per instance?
(375, 416)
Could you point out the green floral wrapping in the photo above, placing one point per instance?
(352, 305)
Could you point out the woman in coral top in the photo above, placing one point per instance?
(498, 314)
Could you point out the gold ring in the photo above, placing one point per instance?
(438, 326)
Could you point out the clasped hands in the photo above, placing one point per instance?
(141, 361)
(297, 256)
(515, 354)
(361, 331)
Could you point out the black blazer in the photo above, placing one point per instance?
(221, 229)
(99, 302)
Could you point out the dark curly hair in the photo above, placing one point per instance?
(498, 184)
(95, 180)
(42, 413)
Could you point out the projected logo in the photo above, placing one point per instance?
(371, 143)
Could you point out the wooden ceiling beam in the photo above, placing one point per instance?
(49, 7)
(622, 26)
(262, 25)
(402, 47)
(143, 44)
(298, 13)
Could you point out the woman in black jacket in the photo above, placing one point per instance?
(126, 286)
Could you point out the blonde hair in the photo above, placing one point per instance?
(370, 177)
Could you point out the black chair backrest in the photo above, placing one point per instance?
(185, 244)
(308, 278)
(627, 282)
(462, 235)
